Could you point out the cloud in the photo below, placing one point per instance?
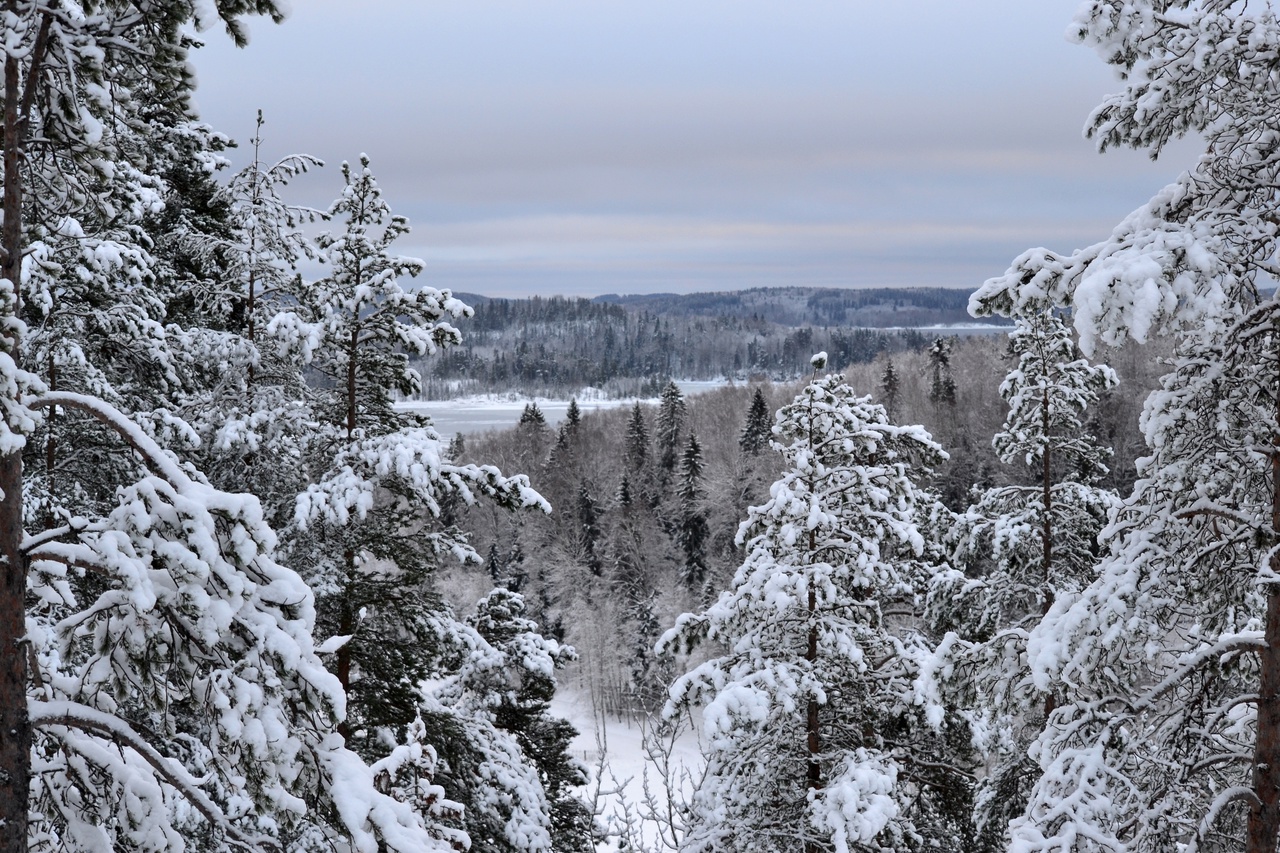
(602, 145)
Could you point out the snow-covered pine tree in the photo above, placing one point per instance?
(248, 403)
(1024, 545)
(756, 429)
(163, 684)
(942, 386)
(371, 524)
(500, 752)
(813, 741)
(1168, 736)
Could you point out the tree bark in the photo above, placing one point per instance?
(1046, 588)
(813, 779)
(15, 726)
(1263, 828)
(351, 382)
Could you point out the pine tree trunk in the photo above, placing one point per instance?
(1046, 590)
(346, 627)
(814, 777)
(351, 382)
(1263, 829)
(15, 726)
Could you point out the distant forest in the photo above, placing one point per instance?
(873, 308)
(632, 345)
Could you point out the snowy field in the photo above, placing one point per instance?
(626, 787)
(471, 415)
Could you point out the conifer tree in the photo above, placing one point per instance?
(573, 417)
(813, 740)
(890, 385)
(942, 387)
(1027, 545)
(532, 418)
(371, 525)
(1168, 735)
(637, 440)
(755, 432)
(671, 412)
(163, 685)
(692, 533)
(588, 538)
(507, 757)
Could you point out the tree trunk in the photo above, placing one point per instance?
(15, 726)
(346, 626)
(351, 381)
(813, 779)
(1046, 588)
(1263, 829)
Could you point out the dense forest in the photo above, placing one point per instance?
(865, 308)
(553, 346)
(1002, 593)
(609, 570)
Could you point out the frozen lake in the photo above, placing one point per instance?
(472, 415)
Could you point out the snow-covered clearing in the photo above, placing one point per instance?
(485, 412)
(628, 786)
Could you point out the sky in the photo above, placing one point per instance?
(581, 147)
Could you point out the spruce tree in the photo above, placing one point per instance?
(942, 387)
(692, 531)
(671, 413)
(573, 417)
(756, 430)
(588, 537)
(890, 385)
(532, 418)
(637, 440)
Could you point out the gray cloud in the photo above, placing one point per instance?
(592, 146)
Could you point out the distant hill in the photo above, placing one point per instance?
(875, 308)
(628, 345)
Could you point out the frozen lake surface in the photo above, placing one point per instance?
(471, 415)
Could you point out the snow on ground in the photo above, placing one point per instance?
(485, 412)
(628, 788)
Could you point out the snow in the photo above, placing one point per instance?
(484, 412)
(625, 783)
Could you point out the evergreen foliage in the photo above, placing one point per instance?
(756, 430)
(890, 385)
(637, 440)
(671, 413)
(692, 534)
(942, 387)
(589, 530)
(161, 681)
(1025, 546)
(813, 739)
(1168, 736)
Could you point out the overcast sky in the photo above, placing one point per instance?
(597, 146)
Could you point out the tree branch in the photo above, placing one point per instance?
(73, 715)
